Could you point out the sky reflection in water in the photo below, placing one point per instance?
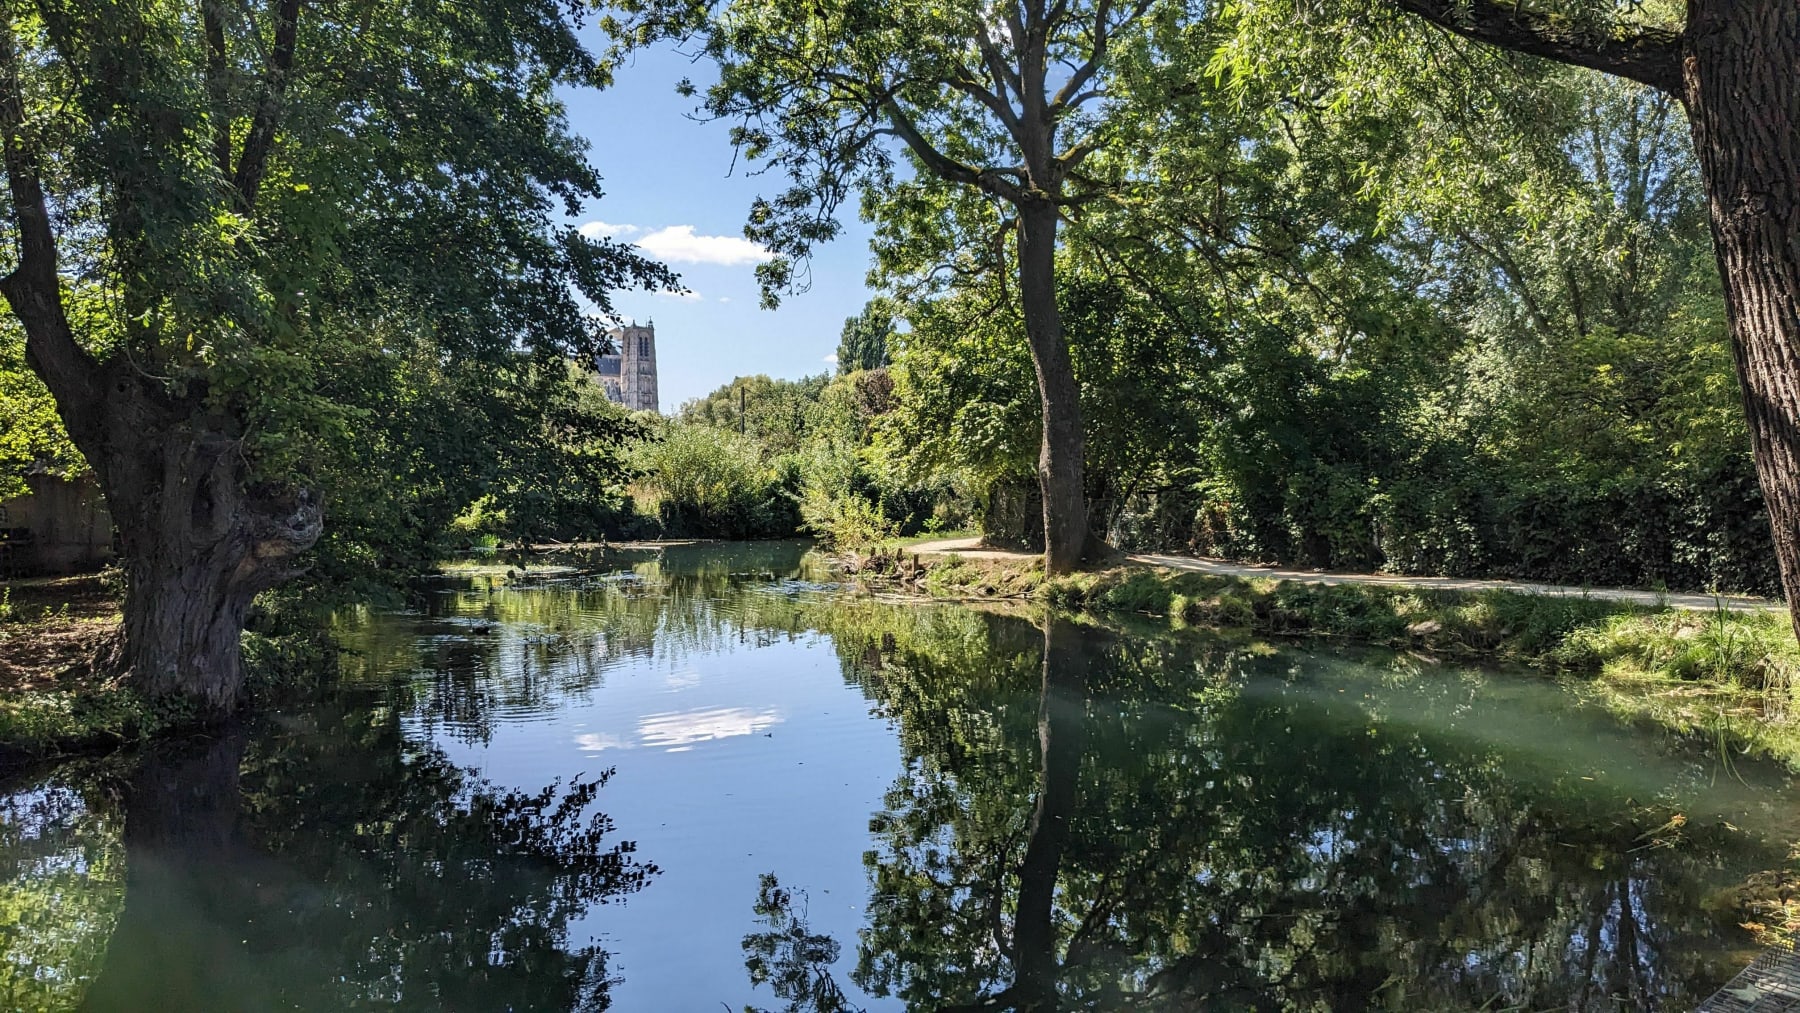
(766, 792)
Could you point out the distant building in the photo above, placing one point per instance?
(629, 373)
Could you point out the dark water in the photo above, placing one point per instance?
(698, 779)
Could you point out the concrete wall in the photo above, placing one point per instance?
(70, 528)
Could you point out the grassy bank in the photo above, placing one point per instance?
(1729, 676)
(53, 701)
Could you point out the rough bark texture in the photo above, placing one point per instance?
(1060, 453)
(200, 542)
(1741, 77)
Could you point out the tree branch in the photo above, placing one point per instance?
(218, 84)
(1648, 56)
(1091, 66)
(260, 141)
(963, 80)
(1003, 75)
(988, 180)
(33, 288)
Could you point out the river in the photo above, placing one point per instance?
(707, 776)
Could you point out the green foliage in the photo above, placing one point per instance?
(32, 438)
(48, 722)
(1463, 323)
(713, 483)
(863, 343)
(778, 414)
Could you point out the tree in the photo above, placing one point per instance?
(1005, 101)
(863, 343)
(214, 207)
(1735, 66)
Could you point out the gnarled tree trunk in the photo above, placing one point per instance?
(200, 541)
(1741, 84)
(1063, 445)
(199, 538)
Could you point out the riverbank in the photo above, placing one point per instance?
(51, 699)
(55, 702)
(1727, 675)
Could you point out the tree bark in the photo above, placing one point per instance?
(1741, 85)
(200, 541)
(1061, 451)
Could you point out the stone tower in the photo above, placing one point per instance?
(629, 374)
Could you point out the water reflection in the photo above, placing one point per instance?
(341, 865)
(1151, 842)
(966, 811)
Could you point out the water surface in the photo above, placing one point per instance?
(707, 776)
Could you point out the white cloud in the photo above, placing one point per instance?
(724, 298)
(595, 743)
(832, 358)
(679, 731)
(607, 230)
(679, 244)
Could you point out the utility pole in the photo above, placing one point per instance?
(741, 416)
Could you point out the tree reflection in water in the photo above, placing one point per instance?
(1151, 833)
(346, 866)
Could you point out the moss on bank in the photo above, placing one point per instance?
(1727, 676)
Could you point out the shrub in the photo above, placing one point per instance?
(710, 482)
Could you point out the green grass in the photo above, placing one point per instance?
(1726, 676)
(45, 723)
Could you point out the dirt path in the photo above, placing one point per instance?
(53, 629)
(971, 548)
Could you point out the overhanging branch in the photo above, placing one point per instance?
(1647, 55)
(34, 288)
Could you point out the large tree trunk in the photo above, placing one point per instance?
(200, 542)
(1741, 78)
(1062, 447)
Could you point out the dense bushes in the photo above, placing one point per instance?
(702, 481)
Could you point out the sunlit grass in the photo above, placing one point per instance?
(1723, 675)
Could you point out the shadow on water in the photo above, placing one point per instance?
(1073, 819)
(1228, 841)
(333, 864)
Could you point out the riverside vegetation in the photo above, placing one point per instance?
(1433, 288)
(1459, 322)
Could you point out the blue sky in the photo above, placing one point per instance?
(671, 188)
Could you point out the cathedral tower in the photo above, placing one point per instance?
(629, 374)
